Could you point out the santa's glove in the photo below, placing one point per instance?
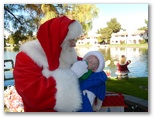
(79, 68)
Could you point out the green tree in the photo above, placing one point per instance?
(49, 12)
(16, 37)
(34, 15)
(28, 17)
(11, 41)
(4, 40)
(17, 15)
(146, 22)
(114, 25)
(84, 13)
(144, 27)
(12, 20)
(105, 34)
(22, 20)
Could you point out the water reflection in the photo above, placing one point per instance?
(9, 54)
(138, 56)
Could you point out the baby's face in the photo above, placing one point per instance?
(93, 62)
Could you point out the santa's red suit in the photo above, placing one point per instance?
(44, 75)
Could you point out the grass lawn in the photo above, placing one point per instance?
(137, 87)
(129, 45)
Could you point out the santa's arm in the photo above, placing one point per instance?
(36, 91)
(60, 91)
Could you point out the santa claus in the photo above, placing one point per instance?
(46, 70)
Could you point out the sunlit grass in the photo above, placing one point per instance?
(137, 87)
(129, 45)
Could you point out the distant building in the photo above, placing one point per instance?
(128, 37)
(91, 40)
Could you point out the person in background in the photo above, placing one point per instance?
(122, 69)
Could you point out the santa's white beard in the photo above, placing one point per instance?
(68, 57)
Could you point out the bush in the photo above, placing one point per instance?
(142, 41)
(122, 42)
(146, 40)
(16, 48)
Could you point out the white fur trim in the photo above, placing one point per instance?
(91, 96)
(68, 96)
(100, 58)
(47, 73)
(75, 30)
(34, 50)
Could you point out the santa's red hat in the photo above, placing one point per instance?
(53, 33)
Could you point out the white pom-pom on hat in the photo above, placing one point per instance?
(75, 30)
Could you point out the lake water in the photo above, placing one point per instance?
(138, 57)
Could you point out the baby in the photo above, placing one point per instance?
(96, 63)
(93, 63)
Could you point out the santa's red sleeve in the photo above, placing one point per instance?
(36, 91)
(58, 92)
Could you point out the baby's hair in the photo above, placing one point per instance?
(122, 56)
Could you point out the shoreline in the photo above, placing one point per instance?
(116, 45)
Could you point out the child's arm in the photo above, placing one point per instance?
(129, 61)
(115, 62)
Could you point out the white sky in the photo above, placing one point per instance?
(130, 16)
